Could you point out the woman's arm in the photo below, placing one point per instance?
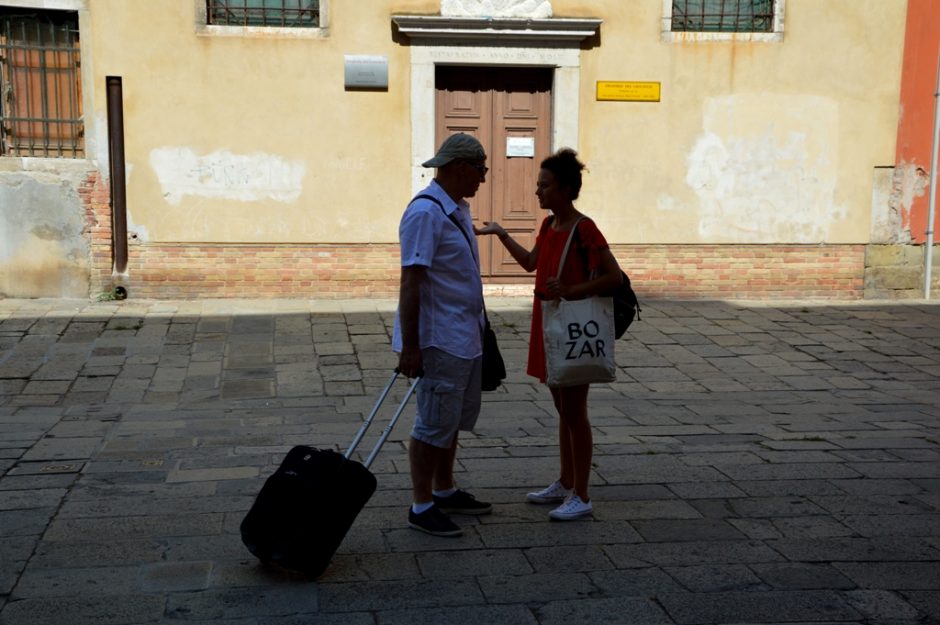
(527, 259)
(609, 279)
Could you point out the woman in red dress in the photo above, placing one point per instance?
(559, 184)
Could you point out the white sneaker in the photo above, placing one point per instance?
(553, 493)
(573, 508)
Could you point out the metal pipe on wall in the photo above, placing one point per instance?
(928, 256)
(117, 171)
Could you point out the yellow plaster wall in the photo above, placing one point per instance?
(753, 142)
(255, 139)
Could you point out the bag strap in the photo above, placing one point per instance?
(583, 253)
(425, 196)
(564, 254)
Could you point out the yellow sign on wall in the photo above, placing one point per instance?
(627, 91)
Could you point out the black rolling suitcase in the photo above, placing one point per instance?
(305, 509)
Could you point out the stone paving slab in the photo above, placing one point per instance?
(755, 462)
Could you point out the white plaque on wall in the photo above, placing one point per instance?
(520, 147)
(365, 71)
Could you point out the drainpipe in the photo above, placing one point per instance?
(118, 179)
(928, 262)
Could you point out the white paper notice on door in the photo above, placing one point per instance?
(520, 147)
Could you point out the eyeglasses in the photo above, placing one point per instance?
(481, 168)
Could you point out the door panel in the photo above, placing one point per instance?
(493, 104)
(467, 107)
(522, 110)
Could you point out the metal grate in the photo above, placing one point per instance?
(287, 13)
(40, 85)
(723, 16)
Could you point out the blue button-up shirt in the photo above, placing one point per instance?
(451, 295)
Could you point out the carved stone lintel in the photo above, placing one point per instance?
(501, 30)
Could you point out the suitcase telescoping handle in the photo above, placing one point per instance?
(391, 424)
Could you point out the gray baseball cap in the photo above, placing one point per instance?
(457, 146)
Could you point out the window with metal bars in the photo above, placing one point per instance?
(284, 13)
(40, 84)
(723, 16)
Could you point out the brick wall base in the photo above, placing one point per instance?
(685, 271)
(263, 271)
(355, 271)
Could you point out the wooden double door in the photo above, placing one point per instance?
(509, 110)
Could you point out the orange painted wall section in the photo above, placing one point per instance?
(918, 86)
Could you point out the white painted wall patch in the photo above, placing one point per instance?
(222, 174)
(764, 169)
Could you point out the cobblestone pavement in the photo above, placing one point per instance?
(755, 463)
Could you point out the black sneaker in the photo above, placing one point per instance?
(462, 502)
(434, 522)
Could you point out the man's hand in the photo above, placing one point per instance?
(410, 362)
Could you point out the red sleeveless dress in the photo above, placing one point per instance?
(551, 243)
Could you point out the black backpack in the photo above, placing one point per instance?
(626, 305)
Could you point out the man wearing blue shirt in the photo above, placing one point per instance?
(438, 330)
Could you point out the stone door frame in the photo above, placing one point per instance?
(435, 40)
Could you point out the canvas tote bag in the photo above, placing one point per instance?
(579, 337)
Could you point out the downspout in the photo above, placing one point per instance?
(928, 256)
(118, 182)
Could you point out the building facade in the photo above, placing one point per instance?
(267, 148)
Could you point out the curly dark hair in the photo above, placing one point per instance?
(566, 168)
